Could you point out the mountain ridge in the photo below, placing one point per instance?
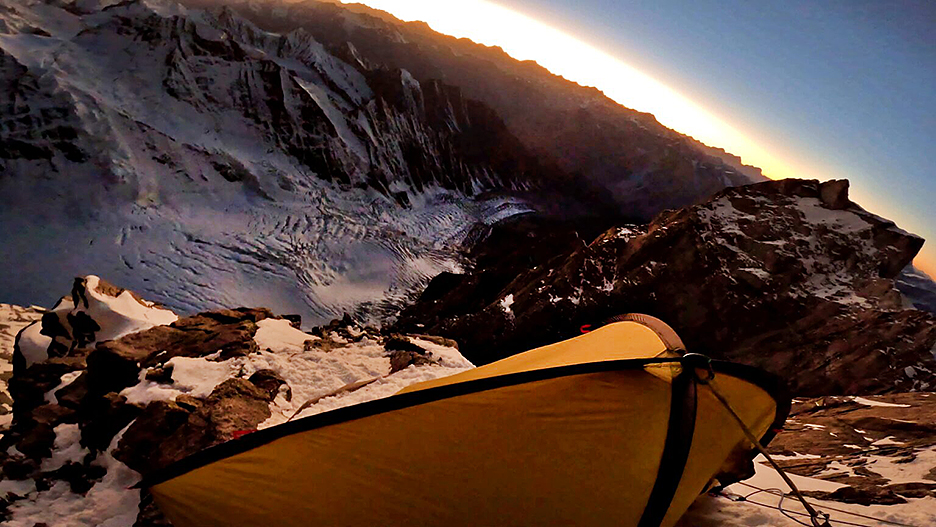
(206, 162)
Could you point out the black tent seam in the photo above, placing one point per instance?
(770, 383)
(678, 443)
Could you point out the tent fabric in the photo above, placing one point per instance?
(627, 339)
(575, 433)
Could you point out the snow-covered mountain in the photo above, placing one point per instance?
(918, 288)
(308, 157)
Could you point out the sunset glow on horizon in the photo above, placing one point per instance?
(526, 38)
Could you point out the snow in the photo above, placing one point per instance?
(905, 472)
(66, 379)
(311, 375)
(191, 376)
(33, 344)
(315, 374)
(111, 502)
(280, 335)
(843, 221)
(796, 455)
(869, 402)
(117, 316)
(730, 510)
(766, 477)
(66, 448)
(123, 314)
(175, 230)
(505, 304)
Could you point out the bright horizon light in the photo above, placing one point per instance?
(525, 38)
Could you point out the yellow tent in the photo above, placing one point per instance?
(607, 428)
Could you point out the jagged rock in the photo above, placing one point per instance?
(116, 364)
(236, 405)
(834, 194)
(188, 402)
(400, 343)
(863, 438)
(103, 417)
(144, 447)
(768, 274)
(126, 401)
(80, 477)
(324, 344)
(150, 515)
(914, 490)
(441, 341)
(168, 431)
(159, 374)
(401, 359)
(270, 382)
(294, 320)
(20, 467)
(72, 395)
(861, 496)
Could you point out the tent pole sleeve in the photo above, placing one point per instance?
(675, 450)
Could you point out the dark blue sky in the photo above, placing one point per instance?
(845, 87)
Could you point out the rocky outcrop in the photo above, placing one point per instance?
(788, 275)
(882, 449)
(92, 418)
(12, 320)
(95, 311)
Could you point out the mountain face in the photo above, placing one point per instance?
(918, 288)
(789, 276)
(310, 157)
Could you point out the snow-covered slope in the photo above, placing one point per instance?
(308, 157)
(203, 162)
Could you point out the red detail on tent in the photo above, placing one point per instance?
(241, 433)
(586, 328)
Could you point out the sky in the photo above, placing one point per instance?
(814, 89)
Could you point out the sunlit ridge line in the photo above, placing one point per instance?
(491, 24)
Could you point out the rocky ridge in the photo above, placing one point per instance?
(631, 158)
(790, 276)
